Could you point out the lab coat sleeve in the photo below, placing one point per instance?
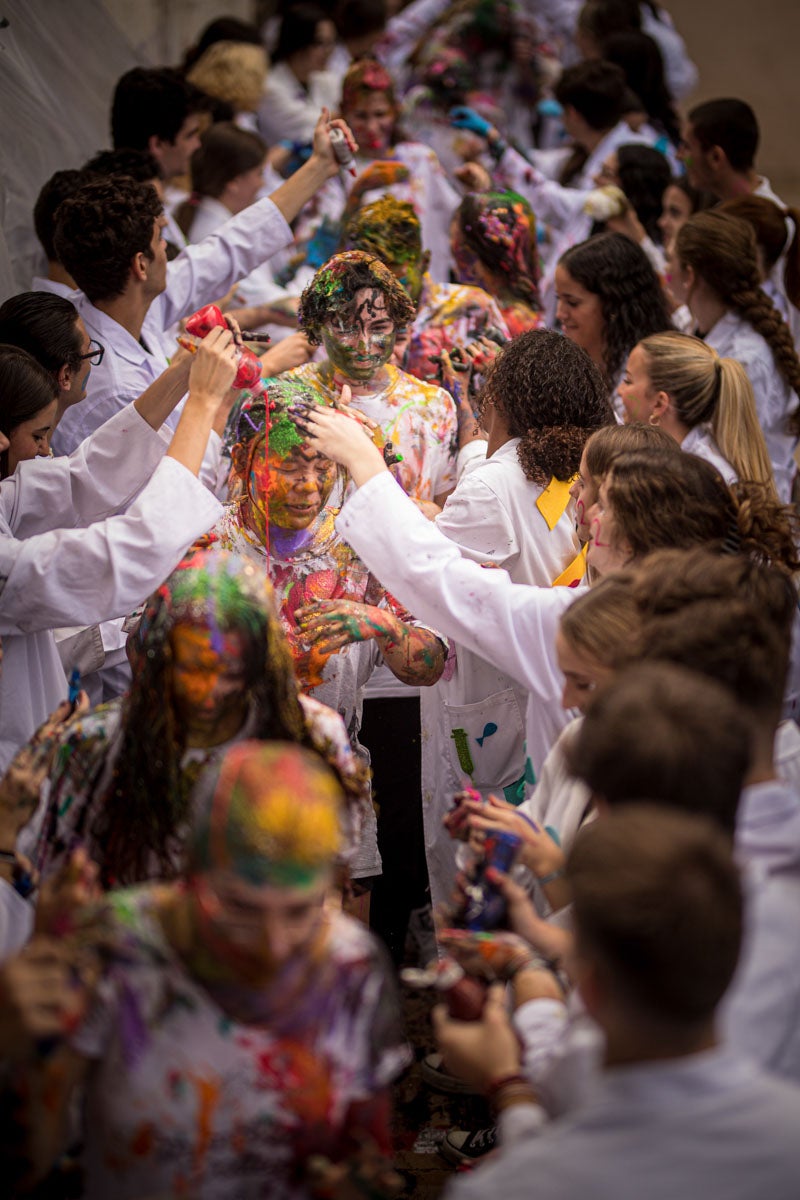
(16, 921)
(552, 203)
(210, 267)
(82, 576)
(404, 30)
(99, 478)
(511, 625)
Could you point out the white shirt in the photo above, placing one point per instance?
(289, 110)
(199, 273)
(707, 1125)
(259, 287)
(511, 625)
(700, 442)
(492, 518)
(40, 283)
(66, 560)
(733, 337)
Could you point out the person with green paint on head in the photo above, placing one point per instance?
(245, 1033)
(341, 624)
(210, 667)
(448, 315)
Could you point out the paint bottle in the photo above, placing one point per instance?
(463, 995)
(210, 317)
(342, 151)
(485, 906)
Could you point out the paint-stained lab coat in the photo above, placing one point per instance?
(66, 559)
(492, 518)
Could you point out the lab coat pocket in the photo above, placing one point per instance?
(487, 740)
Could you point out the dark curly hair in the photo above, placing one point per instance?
(335, 284)
(664, 500)
(552, 397)
(100, 228)
(633, 305)
(53, 193)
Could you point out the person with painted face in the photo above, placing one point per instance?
(210, 667)
(272, 1025)
(448, 315)
(354, 307)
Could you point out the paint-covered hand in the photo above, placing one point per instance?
(483, 1051)
(474, 177)
(336, 435)
(66, 894)
(44, 992)
(539, 851)
(27, 771)
(488, 955)
(330, 625)
(380, 174)
(552, 942)
(289, 352)
(462, 117)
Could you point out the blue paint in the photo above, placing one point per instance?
(488, 730)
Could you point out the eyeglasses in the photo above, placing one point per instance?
(94, 354)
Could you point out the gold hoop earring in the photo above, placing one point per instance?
(652, 420)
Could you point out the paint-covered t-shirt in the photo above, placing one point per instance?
(418, 418)
(183, 1099)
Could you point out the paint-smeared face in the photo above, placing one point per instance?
(31, 439)
(636, 391)
(608, 551)
(580, 314)
(209, 675)
(584, 492)
(371, 119)
(360, 340)
(676, 208)
(297, 486)
(582, 674)
(264, 926)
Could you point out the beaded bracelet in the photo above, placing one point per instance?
(553, 876)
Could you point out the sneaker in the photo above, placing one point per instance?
(437, 1078)
(464, 1147)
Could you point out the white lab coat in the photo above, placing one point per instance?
(65, 559)
(40, 283)
(733, 337)
(200, 274)
(492, 518)
(509, 624)
(700, 442)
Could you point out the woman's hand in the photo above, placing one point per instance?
(549, 940)
(322, 147)
(343, 439)
(483, 1051)
(629, 224)
(330, 625)
(65, 894)
(539, 852)
(474, 177)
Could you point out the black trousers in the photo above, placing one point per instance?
(390, 731)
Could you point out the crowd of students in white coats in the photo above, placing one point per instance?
(398, 587)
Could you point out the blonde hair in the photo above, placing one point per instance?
(232, 71)
(705, 388)
(603, 623)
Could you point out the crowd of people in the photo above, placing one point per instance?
(421, 386)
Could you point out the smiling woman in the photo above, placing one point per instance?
(27, 408)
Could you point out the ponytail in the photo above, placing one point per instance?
(736, 428)
(791, 274)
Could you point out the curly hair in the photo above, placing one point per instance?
(664, 500)
(335, 284)
(721, 249)
(146, 802)
(500, 228)
(632, 303)
(552, 397)
(100, 228)
(52, 195)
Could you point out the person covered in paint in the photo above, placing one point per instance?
(242, 1027)
(448, 315)
(354, 307)
(210, 667)
(340, 623)
(493, 240)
